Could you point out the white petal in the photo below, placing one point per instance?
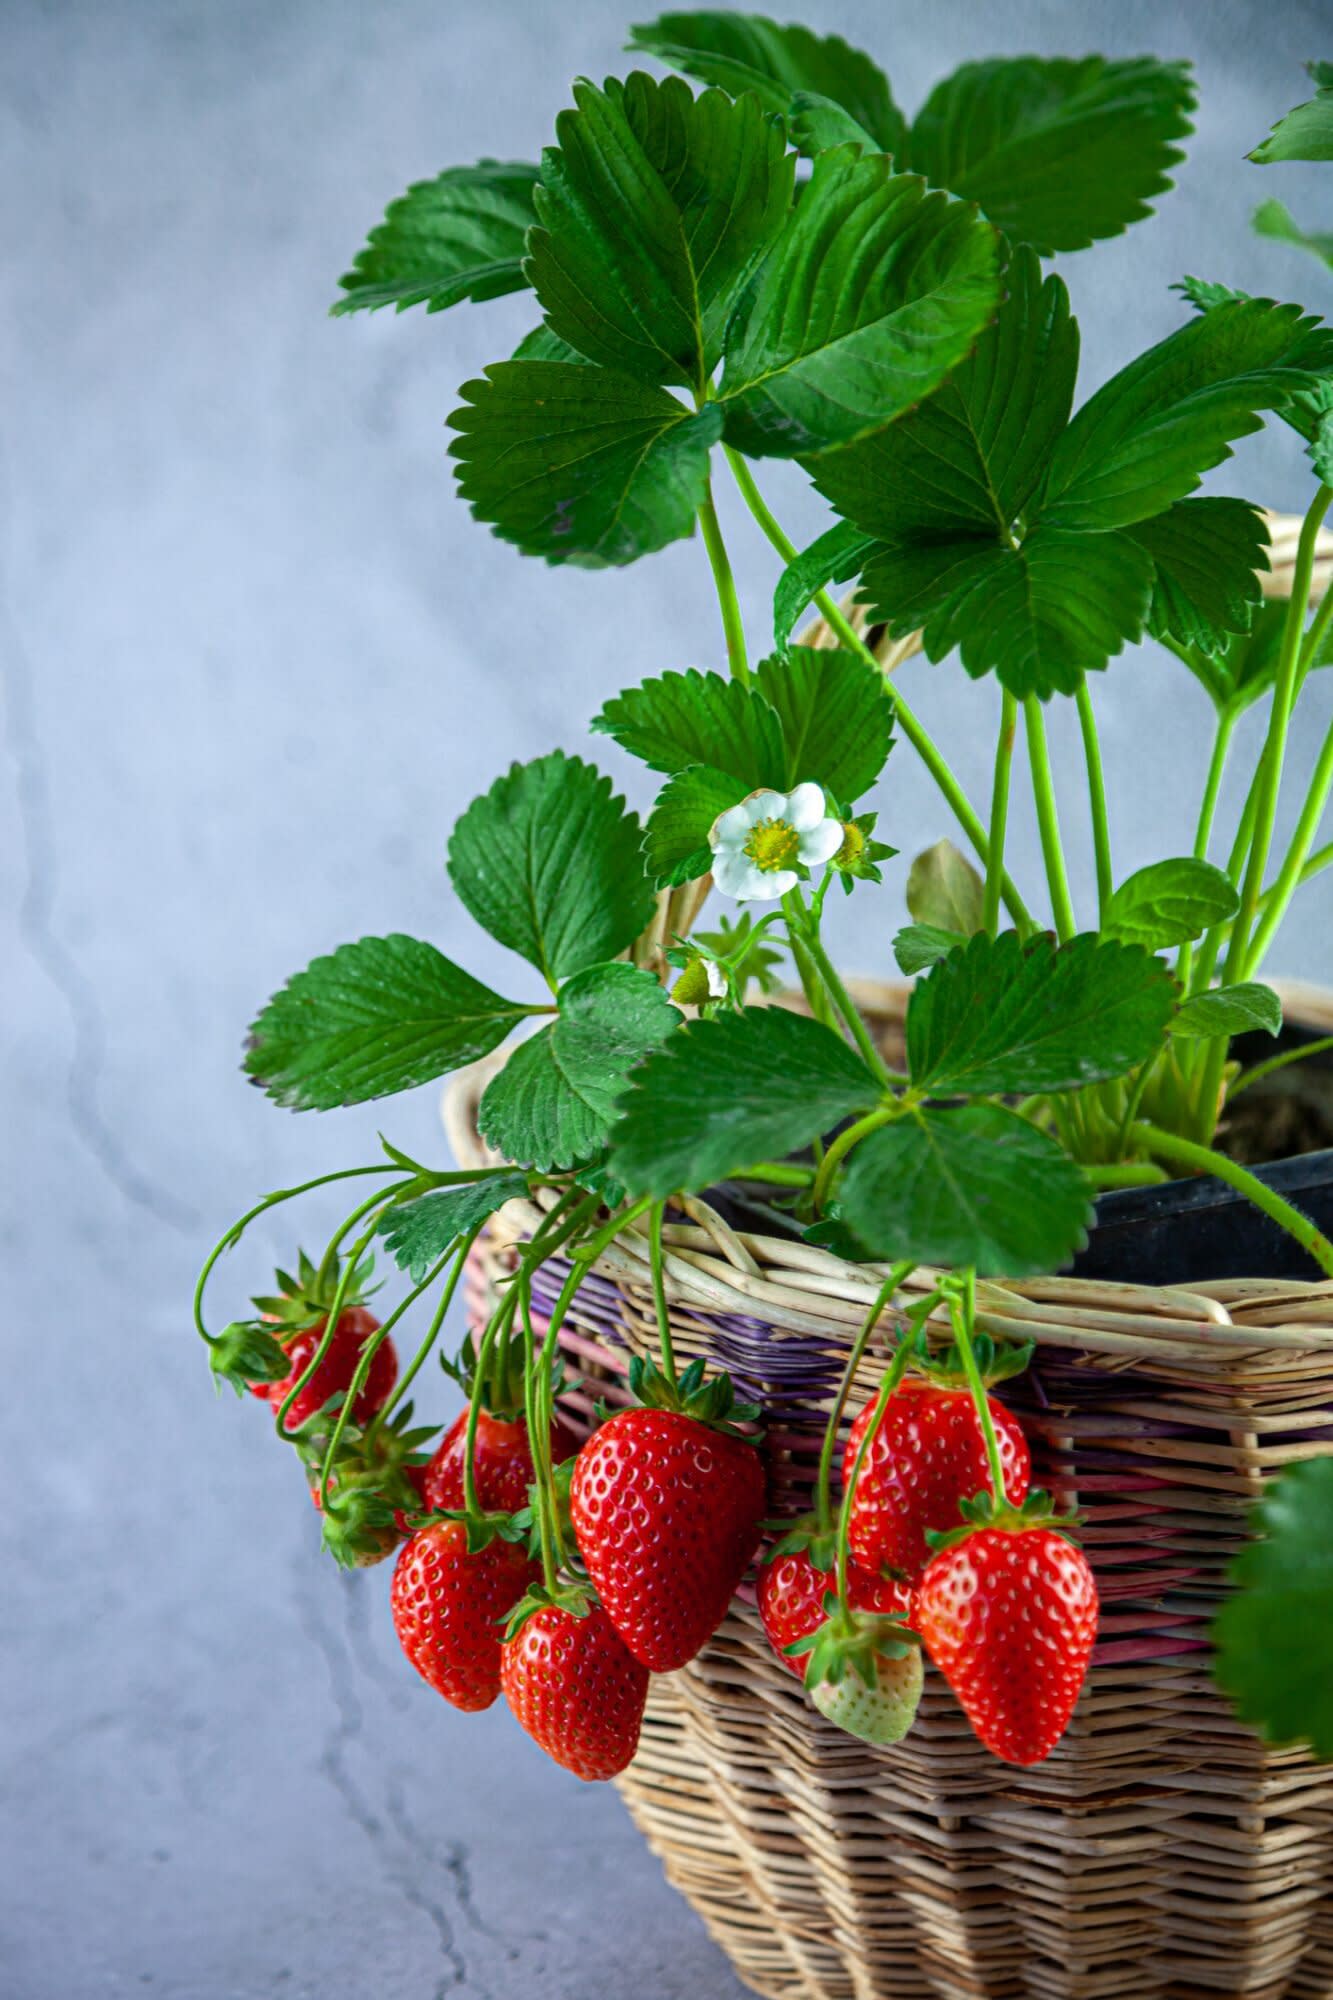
(766, 805)
(805, 807)
(822, 842)
(717, 981)
(773, 883)
(732, 870)
(730, 829)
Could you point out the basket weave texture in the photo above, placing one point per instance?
(1162, 1851)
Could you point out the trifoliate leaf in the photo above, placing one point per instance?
(370, 1019)
(1059, 154)
(836, 717)
(694, 718)
(1305, 409)
(1321, 448)
(978, 1185)
(1274, 219)
(1246, 666)
(872, 294)
(418, 1233)
(1307, 132)
(968, 459)
(675, 841)
(1007, 1016)
(1149, 434)
(917, 946)
(543, 345)
(553, 1103)
(1207, 555)
(834, 558)
(731, 1091)
(1169, 902)
(653, 208)
(1039, 616)
(746, 52)
(1229, 1010)
(460, 236)
(580, 464)
(945, 891)
(1274, 1637)
(548, 861)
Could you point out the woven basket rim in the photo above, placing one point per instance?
(801, 1289)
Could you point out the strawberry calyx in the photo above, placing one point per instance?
(245, 1352)
(369, 1498)
(997, 1361)
(527, 1519)
(571, 1596)
(803, 1536)
(985, 1511)
(501, 1390)
(306, 1299)
(851, 1642)
(711, 1402)
(480, 1529)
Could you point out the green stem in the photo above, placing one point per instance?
(1318, 632)
(777, 1174)
(1278, 897)
(913, 729)
(894, 1375)
(963, 1313)
(1204, 1160)
(999, 809)
(655, 1217)
(405, 1381)
(1101, 825)
(842, 1145)
(816, 997)
(1226, 724)
(897, 1277)
(843, 1001)
(1048, 821)
(732, 624)
(1275, 1063)
(1126, 1174)
(362, 1370)
(353, 1258)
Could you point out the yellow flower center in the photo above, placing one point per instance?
(774, 845)
(853, 845)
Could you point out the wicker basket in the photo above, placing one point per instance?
(1161, 1851)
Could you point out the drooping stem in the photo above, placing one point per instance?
(896, 1279)
(365, 1359)
(913, 729)
(1275, 900)
(999, 809)
(1274, 1063)
(1048, 820)
(418, 1362)
(655, 1217)
(1101, 825)
(733, 626)
(350, 1263)
(893, 1376)
(842, 1000)
(963, 1313)
(1204, 1160)
(842, 1145)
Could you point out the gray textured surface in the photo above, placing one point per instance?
(256, 658)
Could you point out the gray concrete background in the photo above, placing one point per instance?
(256, 659)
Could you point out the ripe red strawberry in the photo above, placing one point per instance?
(448, 1605)
(577, 1690)
(792, 1591)
(1009, 1615)
(502, 1464)
(927, 1456)
(667, 1513)
(334, 1373)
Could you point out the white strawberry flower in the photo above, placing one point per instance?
(762, 847)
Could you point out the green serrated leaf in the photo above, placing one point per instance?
(918, 946)
(872, 294)
(967, 460)
(978, 1186)
(1274, 219)
(836, 557)
(730, 1091)
(1246, 666)
(1005, 1016)
(1059, 154)
(836, 718)
(944, 890)
(459, 236)
(693, 718)
(1207, 555)
(548, 861)
(372, 1018)
(746, 52)
(1169, 902)
(1039, 616)
(1274, 1637)
(675, 841)
(418, 1233)
(1229, 1010)
(543, 345)
(579, 464)
(553, 1103)
(1321, 449)
(653, 208)
(1150, 433)
(1306, 133)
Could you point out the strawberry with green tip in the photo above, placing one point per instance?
(862, 1671)
(1008, 1612)
(666, 1502)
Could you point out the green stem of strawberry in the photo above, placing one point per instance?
(460, 1256)
(962, 1303)
(897, 1277)
(354, 1257)
(656, 1215)
(1203, 1160)
(897, 1369)
(842, 1145)
(238, 1229)
(497, 1327)
(329, 1261)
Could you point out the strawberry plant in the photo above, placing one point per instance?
(762, 257)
